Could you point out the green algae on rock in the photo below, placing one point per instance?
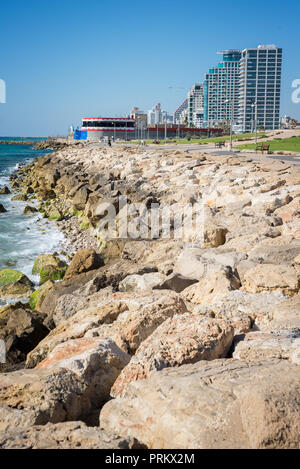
(49, 267)
(14, 284)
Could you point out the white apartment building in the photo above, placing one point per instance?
(195, 105)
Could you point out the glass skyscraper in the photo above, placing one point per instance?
(259, 91)
(246, 83)
(221, 89)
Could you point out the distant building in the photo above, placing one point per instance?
(195, 105)
(140, 118)
(158, 116)
(221, 87)
(116, 127)
(260, 83)
(155, 115)
(177, 114)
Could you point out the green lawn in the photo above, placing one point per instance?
(277, 144)
(201, 141)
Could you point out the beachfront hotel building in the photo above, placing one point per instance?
(259, 89)
(221, 90)
(195, 106)
(180, 111)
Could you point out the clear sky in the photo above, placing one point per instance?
(63, 60)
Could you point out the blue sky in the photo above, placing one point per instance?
(63, 60)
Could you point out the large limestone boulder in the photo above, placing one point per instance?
(21, 330)
(97, 361)
(14, 284)
(185, 338)
(127, 318)
(211, 405)
(67, 435)
(212, 288)
(283, 344)
(36, 397)
(84, 261)
(49, 267)
(272, 277)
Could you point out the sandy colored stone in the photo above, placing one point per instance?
(36, 397)
(185, 338)
(211, 288)
(127, 318)
(97, 361)
(271, 277)
(67, 435)
(211, 405)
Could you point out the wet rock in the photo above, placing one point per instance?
(49, 267)
(28, 210)
(2, 209)
(14, 284)
(4, 190)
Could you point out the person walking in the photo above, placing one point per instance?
(109, 142)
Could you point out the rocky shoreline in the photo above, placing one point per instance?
(157, 342)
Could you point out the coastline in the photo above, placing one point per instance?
(195, 322)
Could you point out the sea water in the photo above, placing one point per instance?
(22, 237)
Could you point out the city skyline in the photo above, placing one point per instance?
(69, 66)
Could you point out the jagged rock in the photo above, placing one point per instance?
(4, 190)
(84, 261)
(20, 197)
(67, 435)
(211, 405)
(37, 297)
(127, 318)
(185, 338)
(211, 288)
(272, 277)
(2, 209)
(283, 344)
(49, 267)
(21, 330)
(29, 209)
(36, 397)
(97, 361)
(14, 284)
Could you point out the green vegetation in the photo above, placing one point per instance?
(78, 213)
(277, 144)
(50, 272)
(84, 226)
(49, 267)
(38, 295)
(201, 141)
(8, 276)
